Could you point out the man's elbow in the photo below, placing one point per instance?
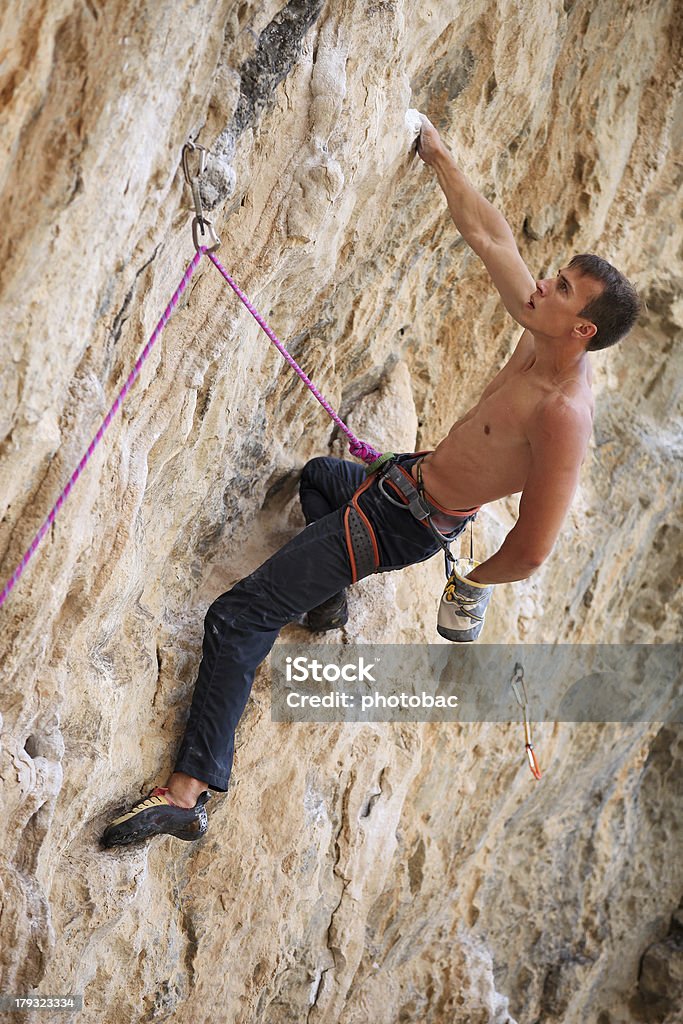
(530, 563)
(527, 552)
(529, 568)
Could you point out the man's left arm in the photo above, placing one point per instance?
(558, 437)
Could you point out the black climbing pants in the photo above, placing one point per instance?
(242, 625)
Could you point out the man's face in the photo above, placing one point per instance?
(555, 305)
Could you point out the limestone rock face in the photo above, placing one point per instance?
(354, 873)
(661, 972)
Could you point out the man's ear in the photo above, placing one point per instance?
(585, 330)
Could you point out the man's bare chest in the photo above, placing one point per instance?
(501, 418)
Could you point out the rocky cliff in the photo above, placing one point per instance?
(354, 873)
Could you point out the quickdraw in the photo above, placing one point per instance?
(200, 223)
(519, 690)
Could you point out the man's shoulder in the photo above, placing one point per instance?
(562, 417)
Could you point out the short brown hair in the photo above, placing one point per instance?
(615, 310)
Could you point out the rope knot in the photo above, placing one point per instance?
(361, 450)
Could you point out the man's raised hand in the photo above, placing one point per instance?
(429, 144)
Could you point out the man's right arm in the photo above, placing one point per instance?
(482, 226)
(558, 437)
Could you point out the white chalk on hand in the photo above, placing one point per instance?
(413, 122)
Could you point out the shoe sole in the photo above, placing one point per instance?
(146, 832)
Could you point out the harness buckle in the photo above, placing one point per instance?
(417, 506)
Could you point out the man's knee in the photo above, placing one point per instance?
(224, 609)
(312, 483)
(313, 468)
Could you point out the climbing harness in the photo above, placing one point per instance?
(361, 542)
(391, 475)
(519, 690)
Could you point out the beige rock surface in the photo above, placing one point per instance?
(355, 873)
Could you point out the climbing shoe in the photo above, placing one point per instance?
(331, 614)
(156, 815)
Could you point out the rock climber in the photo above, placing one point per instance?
(527, 433)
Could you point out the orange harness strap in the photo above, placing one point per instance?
(361, 542)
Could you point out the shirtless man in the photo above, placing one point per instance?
(527, 433)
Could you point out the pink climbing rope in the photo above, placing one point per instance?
(358, 448)
(134, 373)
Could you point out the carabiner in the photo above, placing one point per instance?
(201, 223)
(192, 147)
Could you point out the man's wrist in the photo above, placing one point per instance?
(443, 161)
(472, 577)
